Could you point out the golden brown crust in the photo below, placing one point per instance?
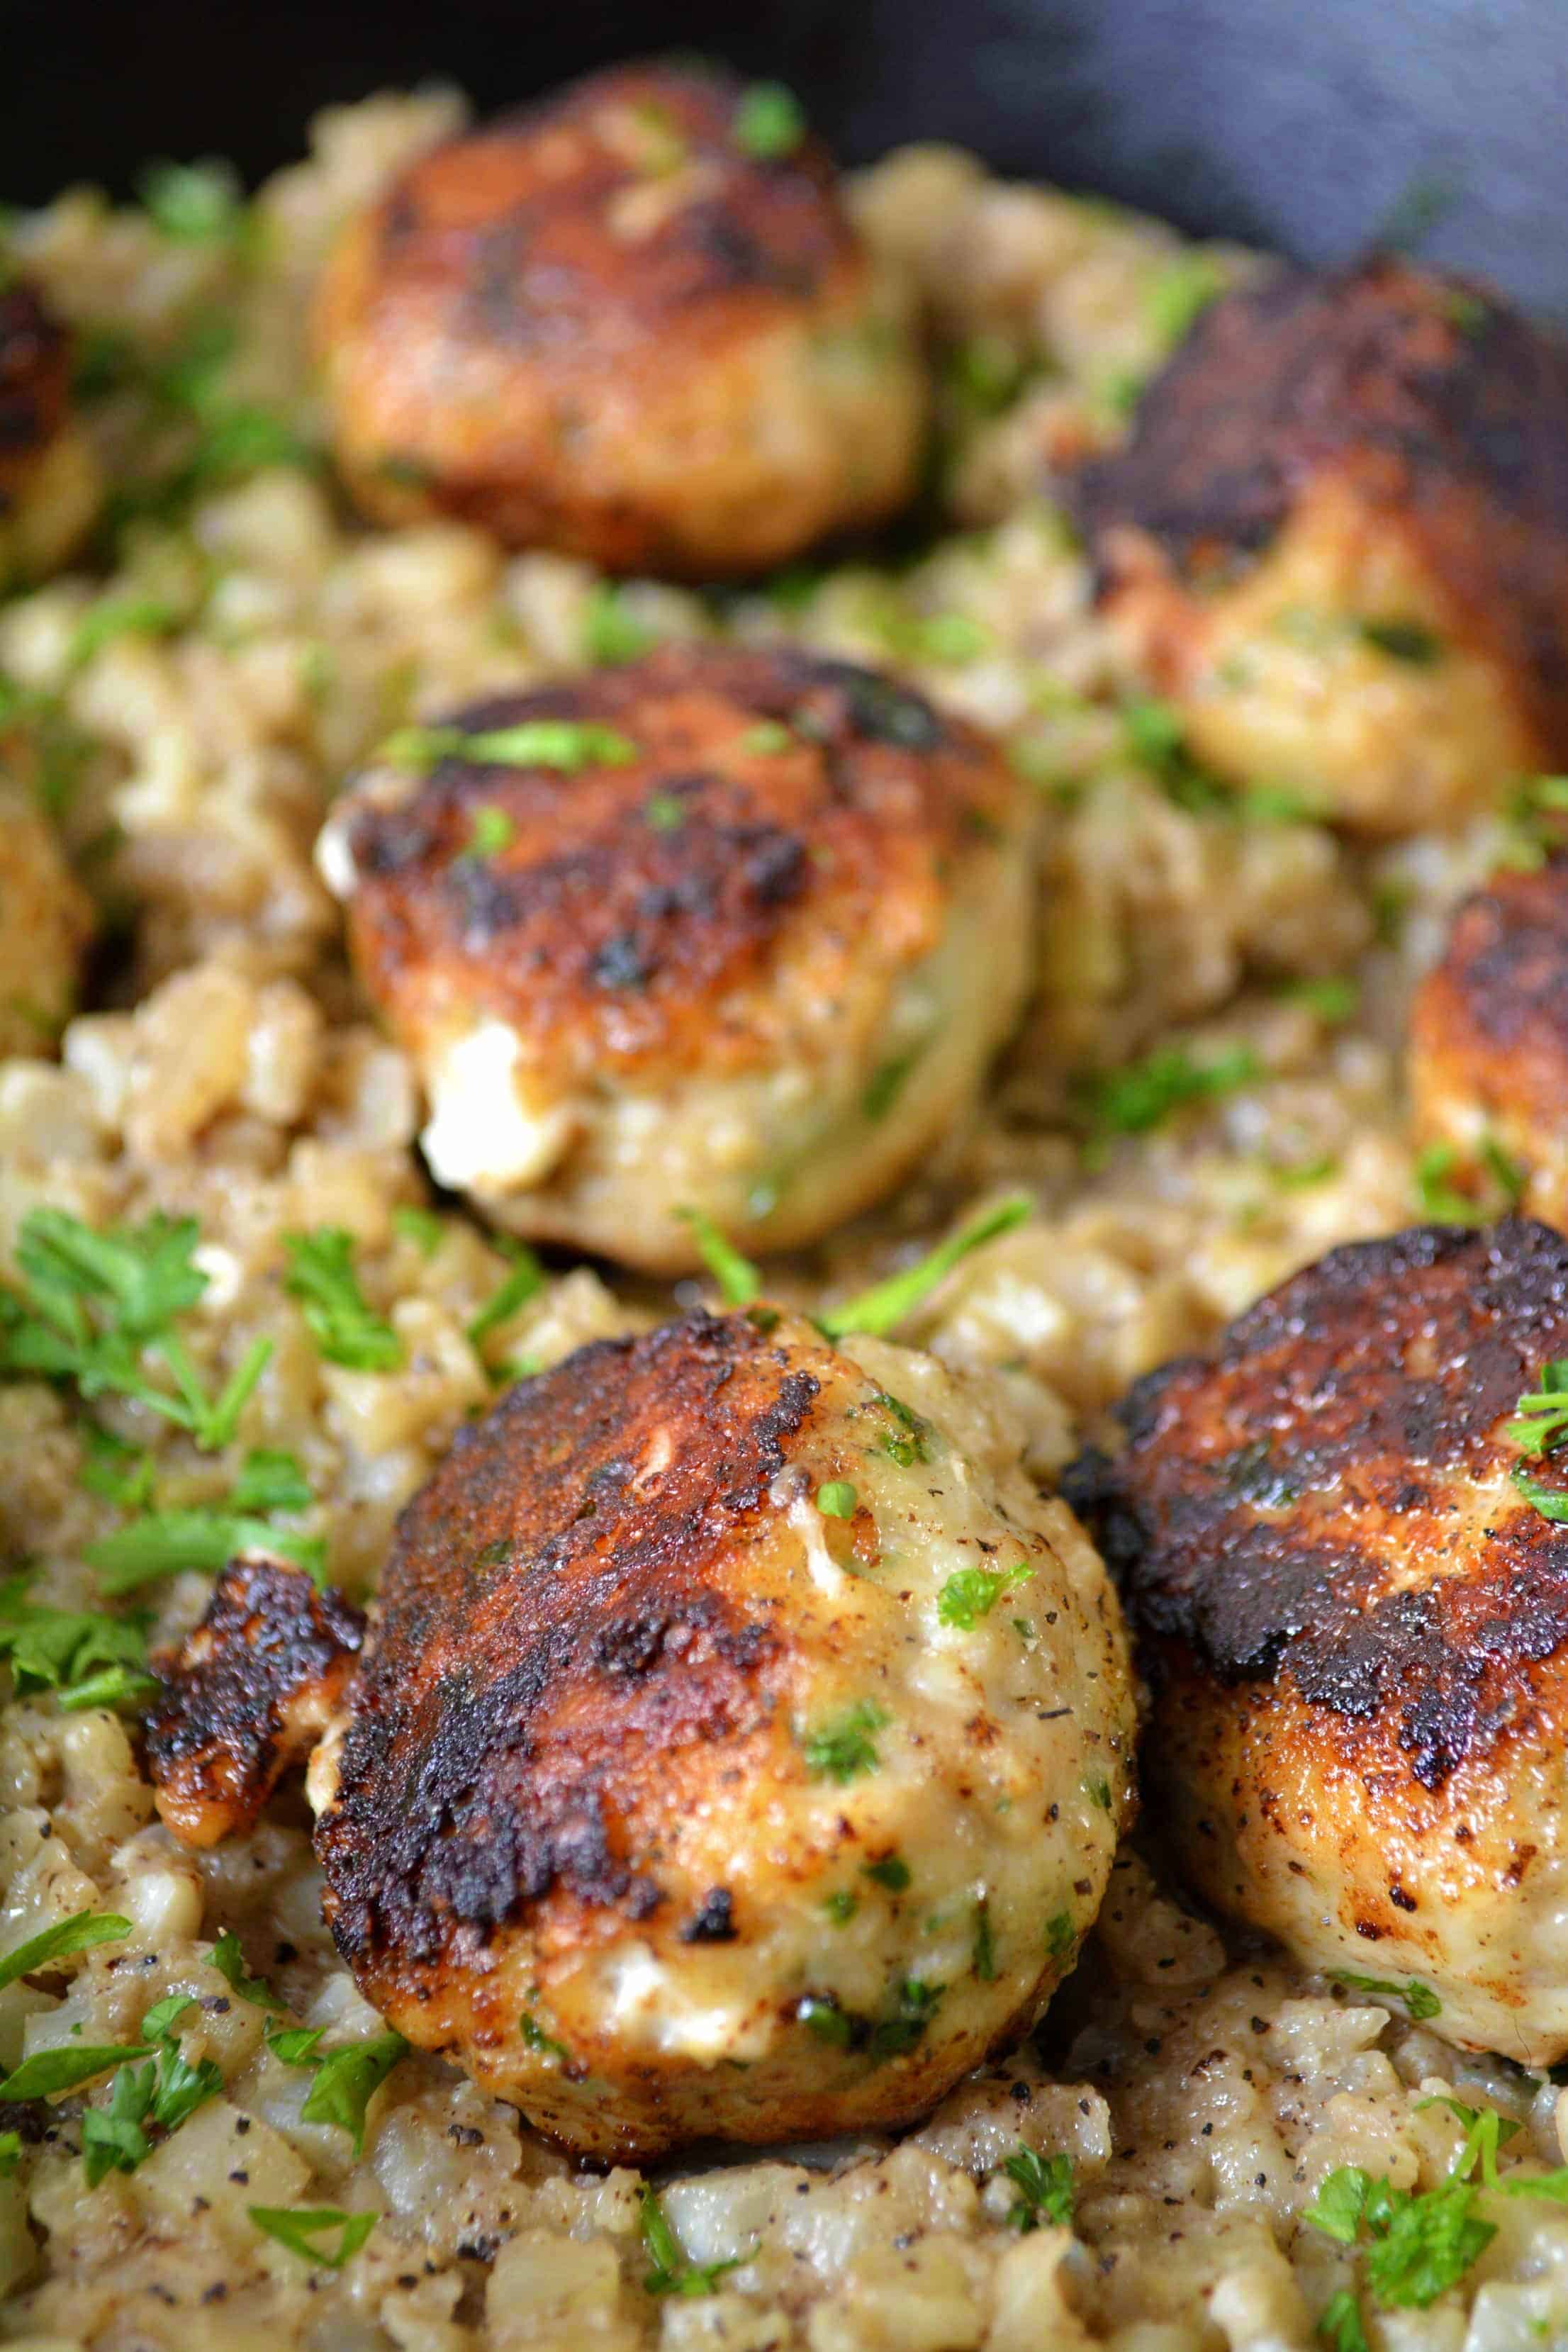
(558, 274)
(1490, 1023)
(34, 383)
(639, 916)
(1429, 401)
(569, 1636)
(245, 1696)
(1316, 1516)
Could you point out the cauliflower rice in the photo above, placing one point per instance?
(257, 644)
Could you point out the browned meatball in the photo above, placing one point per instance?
(737, 1749)
(1355, 1620)
(601, 324)
(1489, 1043)
(750, 953)
(48, 477)
(1338, 540)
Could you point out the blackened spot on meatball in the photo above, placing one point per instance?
(713, 1923)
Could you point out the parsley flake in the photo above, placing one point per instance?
(490, 831)
(768, 123)
(302, 2230)
(1045, 2189)
(971, 1593)
(1340, 2323)
(346, 2080)
(611, 633)
(228, 1960)
(321, 1277)
(78, 1934)
(843, 1749)
(837, 1499)
(1133, 1100)
(567, 744)
(672, 2273)
(879, 1309)
(1418, 1999)
(738, 1279)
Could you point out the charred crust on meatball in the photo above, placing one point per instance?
(244, 1694)
(1492, 1017)
(1438, 404)
(35, 383)
(559, 1635)
(632, 905)
(1270, 1503)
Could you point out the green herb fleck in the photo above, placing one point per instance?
(901, 2027)
(822, 2016)
(303, 2229)
(1405, 641)
(119, 617)
(611, 633)
(738, 1279)
(906, 1444)
(70, 1651)
(47, 2073)
(841, 1905)
(1339, 2324)
(985, 1943)
(228, 1960)
(347, 2080)
(664, 811)
(837, 1499)
(524, 1281)
(567, 744)
(490, 832)
(672, 2273)
(423, 1227)
(886, 1084)
(768, 123)
(1059, 1935)
(78, 1934)
(892, 1872)
(1133, 1100)
(971, 1593)
(1046, 2190)
(196, 203)
(534, 2037)
(886, 1304)
(843, 1749)
(767, 739)
(1182, 292)
(321, 1277)
(1333, 1000)
(1445, 1203)
(1418, 1999)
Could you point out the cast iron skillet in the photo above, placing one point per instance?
(1312, 125)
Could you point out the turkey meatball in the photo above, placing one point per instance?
(1342, 1546)
(1489, 1043)
(1337, 540)
(49, 480)
(738, 1749)
(46, 922)
(746, 946)
(631, 322)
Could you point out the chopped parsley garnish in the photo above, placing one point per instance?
(767, 123)
(985, 1943)
(1418, 2245)
(1405, 641)
(78, 1934)
(85, 1659)
(1339, 2325)
(1059, 1935)
(294, 2045)
(1132, 1101)
(845, 1748)
(490, 831)
(524, 1281)
(302, 2228)
(886, 1084)
(1331, 999)
(423, 1227)
(47, 2073)
(971, 1593)
(1535, 823)
(196, 203)
(1046, 2190)
(119, 617)
(768, 737)
(1442, 1201)
(901, 2027)
(270, 1479)
(230, 1961)
(664, 811)
(1552, 1502)
(347, 2080)
(841, 1905)
(610, 633)
(1096, 1789)
(321, 1277)
(567, 744)
(1182, 292)
(886, 1304)
(738, 1279)
(94, 1303)
(906, 1444)
(837, 1499)
(171, 1543)
(1418, 1999)
(985, 374)
(534, 2037)
(10, 2153)
(153, 2098)
(672, 2273)
(1541, 1417)
(821, 2015)
(892, 1872)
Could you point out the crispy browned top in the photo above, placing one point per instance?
(542, 235)
(244, 1694)
(1305, 1506)
(35, 381)
(643, 912)
(567, 1614)
(1446, 407)
(1492, 1018)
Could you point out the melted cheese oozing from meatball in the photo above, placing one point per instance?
(738, 1748)
(752, 952)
